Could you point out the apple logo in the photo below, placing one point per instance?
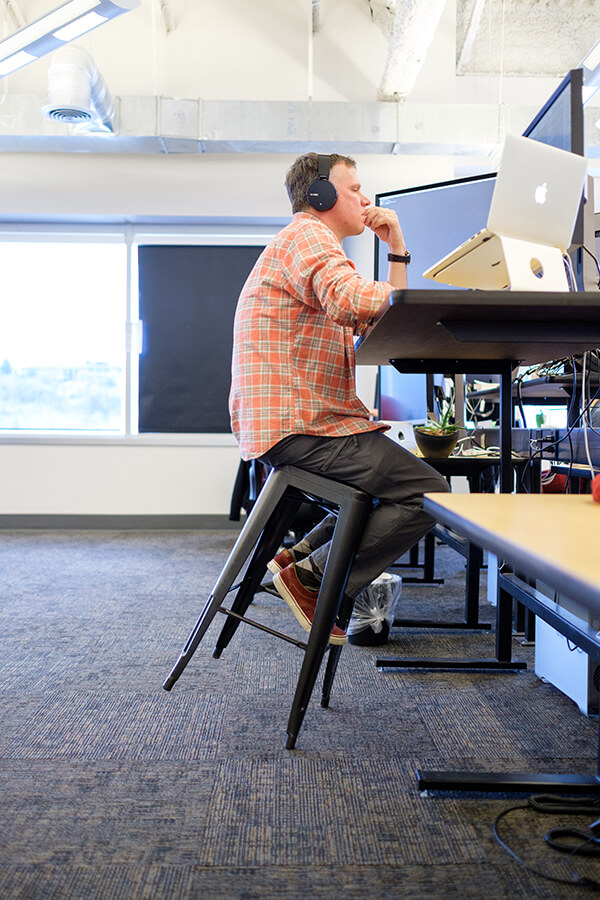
(541, 193)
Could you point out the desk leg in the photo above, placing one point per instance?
(501, 662)
(506, 416)
(503, 782)
(515, 782)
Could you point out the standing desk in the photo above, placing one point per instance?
(564, 557)
(490, 332)
(452, 331)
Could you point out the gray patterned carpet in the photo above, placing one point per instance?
(113, 788)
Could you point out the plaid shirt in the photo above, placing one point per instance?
(293, 349)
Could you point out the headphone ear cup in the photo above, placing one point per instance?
(321, 194)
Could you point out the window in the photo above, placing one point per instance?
(70, 336)
(63, 312)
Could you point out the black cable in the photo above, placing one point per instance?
(546, 803)
(569, 430)
(589, 252)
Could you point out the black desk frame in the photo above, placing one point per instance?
(511, 586)
(491, 332)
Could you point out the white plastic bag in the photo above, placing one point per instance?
(374, 608)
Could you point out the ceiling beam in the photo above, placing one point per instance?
(166, 16)
(13, 10)
(409, 26)
(316, 15)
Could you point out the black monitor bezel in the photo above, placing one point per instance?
(573, 83)
(452, 182)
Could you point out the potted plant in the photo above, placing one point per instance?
(438, 437)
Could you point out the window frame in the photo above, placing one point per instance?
(212, 234)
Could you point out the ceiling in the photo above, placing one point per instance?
(371, 76)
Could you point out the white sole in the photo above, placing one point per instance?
(285, 594)
(273, 567)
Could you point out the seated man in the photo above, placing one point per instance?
(293, 399)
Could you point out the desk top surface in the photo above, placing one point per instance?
(552, 537)
(525, 326)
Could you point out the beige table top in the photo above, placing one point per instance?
(552, 537)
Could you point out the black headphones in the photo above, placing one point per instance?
(321, 194)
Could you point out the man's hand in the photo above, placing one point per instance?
(384, 223)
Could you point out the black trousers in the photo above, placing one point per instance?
(395, 478)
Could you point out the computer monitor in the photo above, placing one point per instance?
(560, 120)
(435, 218)
(560, 123)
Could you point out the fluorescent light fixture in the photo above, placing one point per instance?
(15, 62)
(54, 30)
(593, 58)
(587, 92)
(79, 27)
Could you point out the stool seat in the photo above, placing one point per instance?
(271, 516)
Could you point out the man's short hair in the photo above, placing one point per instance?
(303, 172)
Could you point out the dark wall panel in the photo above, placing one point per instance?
(188, 296)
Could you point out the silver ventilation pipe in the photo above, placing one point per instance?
(77, 93)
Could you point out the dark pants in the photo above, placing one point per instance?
(373, 463)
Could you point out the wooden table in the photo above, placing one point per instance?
(553, 538)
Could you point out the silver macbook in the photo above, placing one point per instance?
(536, 198)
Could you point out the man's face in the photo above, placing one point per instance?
(347, 216)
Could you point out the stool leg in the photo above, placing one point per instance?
(267, 501)
(330, 670)
(335, 651)
(266, 549)
(346, 537)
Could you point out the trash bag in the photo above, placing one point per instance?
(373, 612)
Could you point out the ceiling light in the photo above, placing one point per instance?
(54, 30)
(79, 27)
(593, 57)
(15, 62)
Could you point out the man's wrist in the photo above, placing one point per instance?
(403, 257)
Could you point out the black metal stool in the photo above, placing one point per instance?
(272, 514)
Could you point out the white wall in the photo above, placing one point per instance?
(95, 479)
(116, 480)
(264, 38)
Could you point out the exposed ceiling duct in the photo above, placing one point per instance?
(409, 26)
(148, 124)
(77, 93)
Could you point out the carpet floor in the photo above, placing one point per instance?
(113, 788)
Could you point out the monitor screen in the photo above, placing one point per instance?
(402, 396)
(560, 123)
(435, 219)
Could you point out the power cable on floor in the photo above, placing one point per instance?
(565, 839)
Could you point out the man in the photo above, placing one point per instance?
(293, 399)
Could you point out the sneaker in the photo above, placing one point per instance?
(302, 601)
(281, 561)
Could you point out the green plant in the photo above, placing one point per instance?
(439, 425)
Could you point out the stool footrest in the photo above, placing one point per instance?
(279, 634)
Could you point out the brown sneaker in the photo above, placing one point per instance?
(283, 559)
(302, 601)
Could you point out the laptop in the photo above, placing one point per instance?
(536, 198)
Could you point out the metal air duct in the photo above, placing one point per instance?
(77, 93)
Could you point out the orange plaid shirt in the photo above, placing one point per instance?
(293, 348)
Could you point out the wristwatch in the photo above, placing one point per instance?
(395, 257)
